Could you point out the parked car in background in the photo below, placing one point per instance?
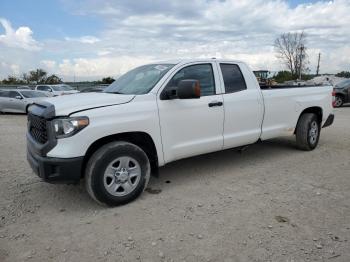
(342, 93)
(57, 90)
(23, 87)
(18, 100)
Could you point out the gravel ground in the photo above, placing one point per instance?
(268, 203)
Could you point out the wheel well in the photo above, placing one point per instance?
(27, 106)
(141, 139)
(340, 94)
(315, 110)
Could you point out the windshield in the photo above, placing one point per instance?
(139, 80)
(33, 94)
(343, 84)
(62, 88)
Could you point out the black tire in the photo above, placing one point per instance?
(306, 139)
(27, 108)
(339, 101)
(101, 159)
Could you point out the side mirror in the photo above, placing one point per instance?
(188, 89)
(18, 97)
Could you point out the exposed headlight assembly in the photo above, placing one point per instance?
(66, 127)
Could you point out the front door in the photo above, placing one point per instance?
(192, 126)
(15, 103)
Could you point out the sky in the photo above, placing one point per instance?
(90, 39)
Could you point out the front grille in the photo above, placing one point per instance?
(37, 128)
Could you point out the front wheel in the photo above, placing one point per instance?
(117, 173)
(308, 132)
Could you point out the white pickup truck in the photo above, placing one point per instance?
(162, 112)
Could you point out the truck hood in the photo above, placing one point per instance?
(66, 105)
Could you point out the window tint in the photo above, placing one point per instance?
(4, 94)
(13, 94)
(233, 78)
(201, 72)
(33, 94)
(62, 88)
(43, 88)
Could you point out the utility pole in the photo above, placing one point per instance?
(301, 60)
(318, 64)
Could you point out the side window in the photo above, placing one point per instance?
(43, 88)
(3, 94)
(233, 78)
(13, 94)
(202, 72)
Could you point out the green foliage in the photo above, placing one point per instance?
(12, 80)
(345, 74)
(107, 80)
(283, 76)
(53, 80)
(38, 76)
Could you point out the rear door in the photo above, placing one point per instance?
(242, 104)
(192, 126)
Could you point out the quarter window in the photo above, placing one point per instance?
(201, 72)
(233, 78)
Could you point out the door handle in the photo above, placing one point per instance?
(215, 103)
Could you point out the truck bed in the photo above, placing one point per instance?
(284, 105)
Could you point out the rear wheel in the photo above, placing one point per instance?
(117, 173)
(338, 101)
(308, 132)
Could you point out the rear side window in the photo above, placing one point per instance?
(233, 78)
(43, 88)
(201, 72)
(13, 94)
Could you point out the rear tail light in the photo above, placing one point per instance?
(333, 98)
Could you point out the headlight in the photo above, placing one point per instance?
(65, 127)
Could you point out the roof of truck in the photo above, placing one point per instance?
(183, 61)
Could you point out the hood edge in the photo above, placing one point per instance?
(86, 109)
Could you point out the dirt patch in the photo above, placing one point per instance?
(270, 203)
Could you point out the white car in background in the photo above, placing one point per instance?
(18, 100)
(57, 90)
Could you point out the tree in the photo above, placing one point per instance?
(53, 79)
(283, 76)
(12, 80)
(25, 78)
(291, 49)
(107, 80)
(37, 76)
(345, 74)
